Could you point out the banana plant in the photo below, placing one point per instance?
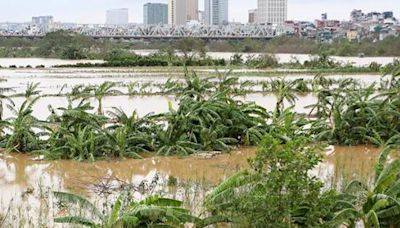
(153, 211)
(22, 127)
(376, 206)
(103, 90)
(31, 90)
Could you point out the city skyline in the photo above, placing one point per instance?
(93, 11)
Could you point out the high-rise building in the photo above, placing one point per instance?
(192, 10)
(177, 12)
(201, 16)
(272, 12)
(155, 13)
(117, 17)
(252, 16)
(216, 12)
(42, 20)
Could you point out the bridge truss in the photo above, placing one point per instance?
(233, 31)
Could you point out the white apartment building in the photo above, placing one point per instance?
(117, 17)
(177, 12)
(272, 11)
(216, 12)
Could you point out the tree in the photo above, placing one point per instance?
(72, 52)
(279, 192)
(191, 47)
(63, 44)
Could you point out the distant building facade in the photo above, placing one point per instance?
(155, 13)
(252, 16)
(177, 12)
(201, 16)
(117, 17)
(272, 12)
(43, 20)
(192, 10)
(216, 12)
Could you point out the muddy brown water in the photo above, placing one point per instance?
(22, 171)
(26, 185)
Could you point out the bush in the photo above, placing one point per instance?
(263, 61)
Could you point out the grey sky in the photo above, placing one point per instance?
(93, 11)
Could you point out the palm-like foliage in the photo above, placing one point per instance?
(31, 90)
(103, 90)
(2, 99)
(22, 137)
(150, 212)
(378, 206)
(284, 90)
(195, 88)
(354, 116)
(138, 132)
(209, 119)
(77, 134)
(132, 88)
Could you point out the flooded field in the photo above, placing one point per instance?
(54, 82)
(33, 62)
(26, 184)
(283, 58)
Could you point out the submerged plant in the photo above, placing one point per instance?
(376, 206)
(103, 90)
(22, 127)
(150, 212)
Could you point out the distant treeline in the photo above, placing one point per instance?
(68, 45)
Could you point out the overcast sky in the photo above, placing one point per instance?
(93, 11)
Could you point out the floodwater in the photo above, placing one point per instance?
(143, 105)
(26, 184)
(282, 58)
(60, 81)
(33, 62)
